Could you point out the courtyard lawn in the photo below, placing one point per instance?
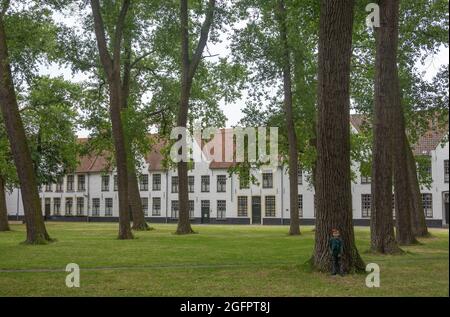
(219, 261)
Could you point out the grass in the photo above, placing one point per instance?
(219, 261)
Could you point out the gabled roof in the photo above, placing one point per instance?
(426, 143)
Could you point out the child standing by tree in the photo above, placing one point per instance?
(336, 252)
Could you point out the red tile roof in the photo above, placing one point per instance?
(99, 163)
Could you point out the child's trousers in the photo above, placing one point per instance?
(336, 264)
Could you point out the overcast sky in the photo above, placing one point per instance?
(233, 111)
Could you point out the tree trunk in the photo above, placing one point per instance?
(402, 185)
(134, 195)
(333, 183)
(418, 223)
(111, 66)
(36, 231)
(289, 116)
(4, 226)
(188, 68)
(382, 222)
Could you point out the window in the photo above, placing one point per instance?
(108, 206)
(366, 204)
(81, 183)
(59, 185)
(427, 201)
(80, 206)
(116, 183)
(242, 206)
(105, 183)
(221, 209)
(70, 183)
(156, 182)
(300, 176)
(174, 184)
(95, 206)
(191, 209)
(143, 182)
(366, 179)
(144, 202)
(174, 209)
(69, 205)
(300, 206)
(205, 184)
(267, 180)
(191, 183)
(221, 183)
(244, 181)
(446, 176)
(270, 206)
(156, 206)
(48, 187)
(57, 206)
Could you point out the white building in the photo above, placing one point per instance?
(90, 194)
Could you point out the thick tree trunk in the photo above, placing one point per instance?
(184, 225)
(289, 116)
(188, 68)
(382, 222)
(4, 226)
(418, 223)
(134, 195)
(36, 231)
(134, 200)
(333, 183)
(402, 185)
(111, 66)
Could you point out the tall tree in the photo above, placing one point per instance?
(382, 221)
(290, 125)
(36, 231)
(188, 69)
(333, 188)
(397, 124)
(112, 68)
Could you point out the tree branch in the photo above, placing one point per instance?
(204, 33)
(119, 34)
(99, 27)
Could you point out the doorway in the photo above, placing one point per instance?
(256, 210)
(205, 211)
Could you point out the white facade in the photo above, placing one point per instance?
(273, 198)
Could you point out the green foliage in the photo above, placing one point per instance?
(49, 113)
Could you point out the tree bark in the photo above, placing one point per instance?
(402, 185)
(4, 225)
(189, 67)
(289, 117)
(333, 183)
(418, 223)
(134, 195)
(382, 222)
(111, 67)
(36, 231)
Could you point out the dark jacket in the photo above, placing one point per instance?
(335, 246)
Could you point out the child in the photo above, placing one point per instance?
(336, 251)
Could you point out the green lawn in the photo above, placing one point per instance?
(219, 261)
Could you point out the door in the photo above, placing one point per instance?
(256, 210)
(47, 207)
(205, 211)
(446, 201)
